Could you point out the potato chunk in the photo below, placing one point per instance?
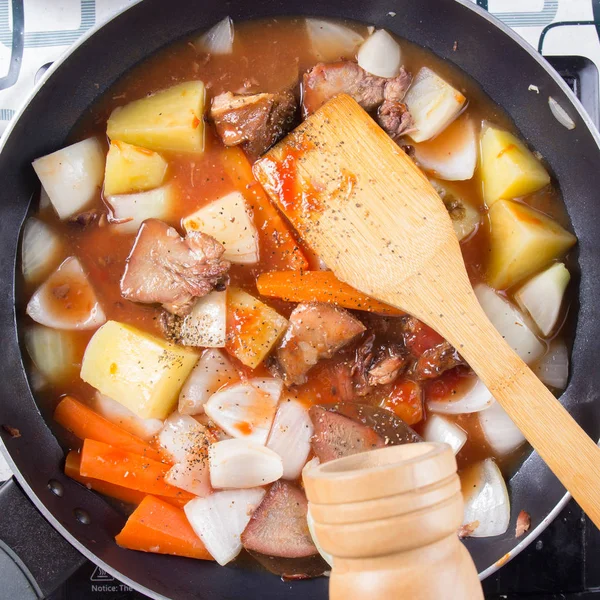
(138, 370)
(522, 241)
(253, 328)
(168, 120)
(508, 168)
(132, 169)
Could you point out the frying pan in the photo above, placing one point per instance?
(494, 56)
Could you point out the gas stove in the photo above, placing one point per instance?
(564, 562)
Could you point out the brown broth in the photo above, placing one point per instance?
(268, 56)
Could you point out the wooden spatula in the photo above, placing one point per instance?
(373, 217)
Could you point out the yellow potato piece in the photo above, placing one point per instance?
(139, 370)
(168, 120)
(132, 169)
(522, 241)
(253, 328)
(508, 168)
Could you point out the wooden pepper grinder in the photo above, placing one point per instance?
(389, 518)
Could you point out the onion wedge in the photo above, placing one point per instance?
(510, 324)
(487, 506)
(380, 55)
(439, 429)
(553, 367)
(67, 300)
(246, 410)
(218, 39)
(243, 464)
(475, 399)
(220, 519)
(290, 436)
(542, 296)
(499, 431)
(213, 371)
(331, 41)
(41, 250)
(72, 176)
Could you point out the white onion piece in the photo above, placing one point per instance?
(331, 41)
(129, 211)
(439, 429)
(464, 215)
(54, 353)
(243, 464)
(220, 519)
(453, 154)
(560, 114)
(229, 222)
(191, 476)
(542, 296)
(72, 176)
(290, 436)
(37, 380)
(184, 439)
(212, 372)
(487, 506)
(218, 39)
(474, 399)
(510, 324)
(116, 413)
(41, 250)
(500, 432)
(328, 558)
(206, 324)
(380, 55)
(246, 410)
(433, 104)
(44, 200)
(553, 367)
(66, 300)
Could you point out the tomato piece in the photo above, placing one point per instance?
(422, 338)
(406, 401)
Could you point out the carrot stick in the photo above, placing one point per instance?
(85, 423)
(318, 286)
(277, 242)
(72, 466)
(156, 526)
(127, 469)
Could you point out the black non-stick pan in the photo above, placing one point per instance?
(503, 65)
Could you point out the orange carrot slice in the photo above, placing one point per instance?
(127, 469)
(278, 247)
(85, 423)
(72, 466)
(156, 526)
(318, 286)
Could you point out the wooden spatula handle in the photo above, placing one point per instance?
(561, 442)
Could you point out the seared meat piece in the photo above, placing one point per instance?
(434, 361)
(394, 118)
(324, 81)
(278, 537)
(387, 366)
(85, 219)
(315, 331)
(350, 428)
(377, 366)
(167, 269)
(337, 436)
(256, 121)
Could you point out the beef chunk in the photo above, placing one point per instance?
(167, 269)
(377, 365)
(349, 428)
(316, 331)
(337, 436)
(277, 534)
(394, 118)
(324, 81)
(256, 121)
(434, 361)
